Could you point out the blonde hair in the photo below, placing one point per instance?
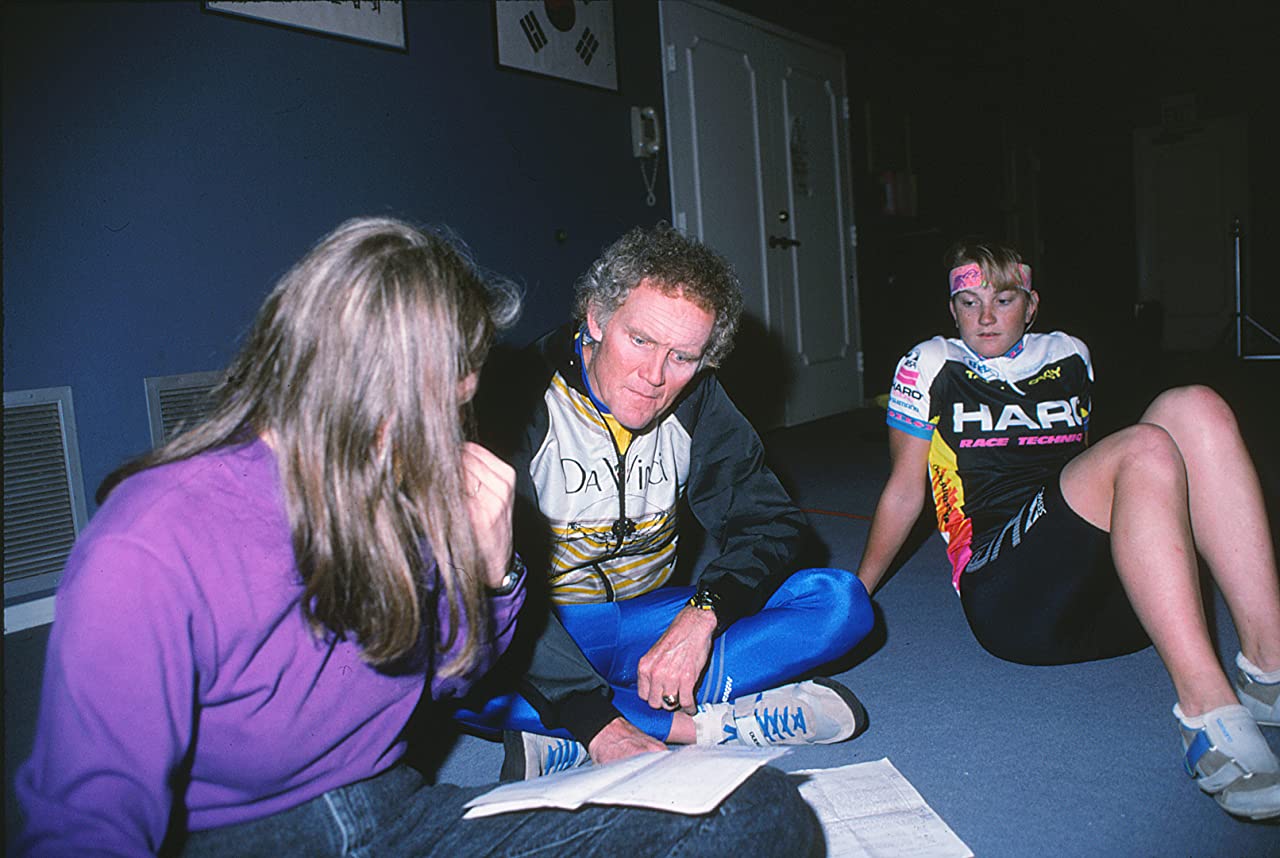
(1002, 266)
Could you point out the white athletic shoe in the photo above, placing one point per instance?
(530, 755)
(1262, 699)
(1230, 760)
(815, 712)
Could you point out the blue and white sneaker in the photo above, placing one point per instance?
(1262, 699)
(815, 712)
(1227, 755)
(530, 755)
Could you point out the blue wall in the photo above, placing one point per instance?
(163, 165)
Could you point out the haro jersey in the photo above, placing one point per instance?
(999, 428)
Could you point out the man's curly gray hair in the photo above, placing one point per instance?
(674, 264)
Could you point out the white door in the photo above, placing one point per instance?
(758, 151)
(1191, 186)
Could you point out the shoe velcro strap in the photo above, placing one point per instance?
(1266, 692)
(1198, 748)
(1212, 769)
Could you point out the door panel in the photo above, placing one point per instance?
(757, 137)
(722, 92)
(813, 152)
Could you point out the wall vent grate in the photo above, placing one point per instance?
(176, 402)
(44, 505)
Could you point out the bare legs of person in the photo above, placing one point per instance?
(1180, 481)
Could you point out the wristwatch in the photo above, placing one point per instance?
(704, 600)
(511, 579)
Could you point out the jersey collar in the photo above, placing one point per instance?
(582, 364)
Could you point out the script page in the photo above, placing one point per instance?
(689, 780)
(567, 790)
(869, 810)
(693, 779)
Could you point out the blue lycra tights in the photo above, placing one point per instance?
(816, 616)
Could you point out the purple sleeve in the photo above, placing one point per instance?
(503, 619)
(116, 707)
(505, 610)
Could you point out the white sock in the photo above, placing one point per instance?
(709, 722)
(1260, 675)
(1196, 722)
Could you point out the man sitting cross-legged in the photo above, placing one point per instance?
(622, 419)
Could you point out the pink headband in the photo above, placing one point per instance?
(969, 276)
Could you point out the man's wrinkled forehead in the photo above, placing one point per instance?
(677, 290)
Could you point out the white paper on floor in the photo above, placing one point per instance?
(869, 810)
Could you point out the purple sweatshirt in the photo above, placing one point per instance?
(179, 639)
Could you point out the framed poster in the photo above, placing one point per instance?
(571, 39)
(380, 22)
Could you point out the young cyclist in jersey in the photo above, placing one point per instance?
(1092, 549)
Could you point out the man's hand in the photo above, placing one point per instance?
(621, 739)
(488, 486)
(672, 667)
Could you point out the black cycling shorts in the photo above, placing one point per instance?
(1045, 591)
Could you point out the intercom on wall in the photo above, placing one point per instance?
(646, 144)
(646, 132)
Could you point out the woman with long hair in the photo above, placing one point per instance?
(246, 625)
(1062, 551)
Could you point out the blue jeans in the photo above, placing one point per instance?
(398, 814)
(816, 616)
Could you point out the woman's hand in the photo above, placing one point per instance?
(488, 487)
